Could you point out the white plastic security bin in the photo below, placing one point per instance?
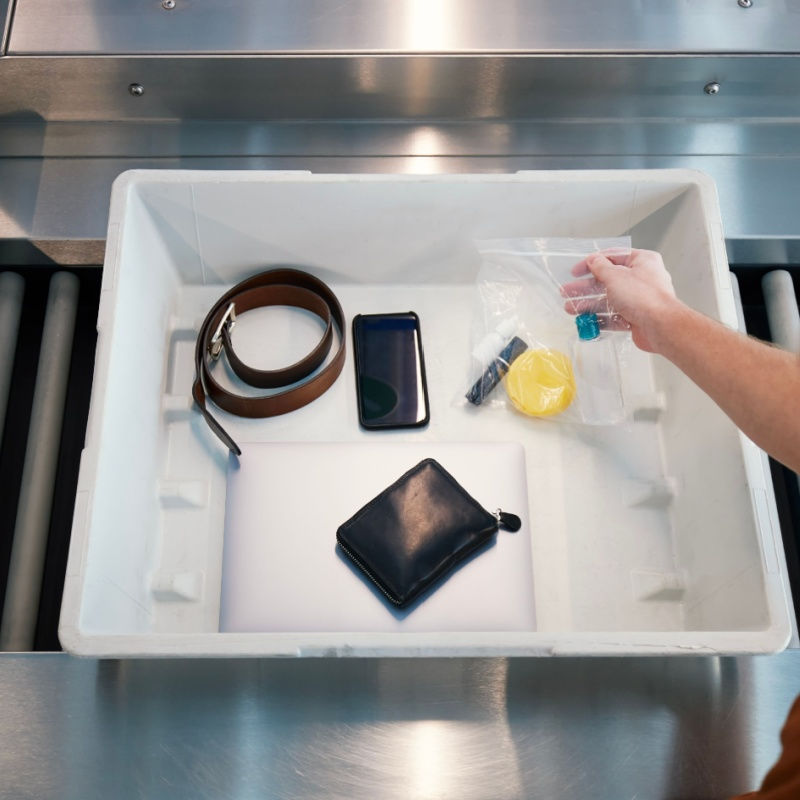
(659, 536)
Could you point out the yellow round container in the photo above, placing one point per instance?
(541, 382)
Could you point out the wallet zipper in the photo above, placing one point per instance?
(510, 522)
(360, 564)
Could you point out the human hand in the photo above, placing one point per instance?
(638, 287)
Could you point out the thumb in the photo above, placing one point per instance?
(599, 266)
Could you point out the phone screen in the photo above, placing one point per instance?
(390, 371)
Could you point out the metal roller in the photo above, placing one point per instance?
(21, 605)
(784, 318)
(12, 288)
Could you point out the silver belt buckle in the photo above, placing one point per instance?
(229, 320)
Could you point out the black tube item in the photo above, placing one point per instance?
(495, 371)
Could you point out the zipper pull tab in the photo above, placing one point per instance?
(511, 522)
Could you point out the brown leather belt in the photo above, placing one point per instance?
(275, 287)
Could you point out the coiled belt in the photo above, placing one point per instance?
(275, 287)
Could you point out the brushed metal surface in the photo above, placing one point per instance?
(554, 87)
(66, 199)
(759, 251)
(224, 26)
(554, 137)
(390, 114)
(460, 728)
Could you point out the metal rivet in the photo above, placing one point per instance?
(711, 88)
(136, 89)
(742, 3)
(170, 4)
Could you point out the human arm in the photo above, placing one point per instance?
(755, 384)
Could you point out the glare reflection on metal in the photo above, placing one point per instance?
(431, 25)
(426, 145)
(367, 75)
(427, 753)
(445, 758)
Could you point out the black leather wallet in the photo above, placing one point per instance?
(416, 532)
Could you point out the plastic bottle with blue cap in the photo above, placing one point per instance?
(597, 374)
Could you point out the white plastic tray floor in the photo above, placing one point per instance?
(576, 544)
(282, 571)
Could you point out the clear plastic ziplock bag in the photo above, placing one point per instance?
(544, 329)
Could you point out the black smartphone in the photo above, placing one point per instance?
(390, 371)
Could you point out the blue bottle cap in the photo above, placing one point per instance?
(588, 326)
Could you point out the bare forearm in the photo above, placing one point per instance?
(757, 385)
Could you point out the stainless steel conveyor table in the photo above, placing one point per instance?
(461, 728)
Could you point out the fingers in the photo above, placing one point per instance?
(599, 266)
(586, 287)
(620, 257)
(615, 322)
(583, 305)
(606, 318)
(581, 268)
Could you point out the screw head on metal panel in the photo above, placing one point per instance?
(170, 4)
(711, 88)
(136, 89)
(742, 3)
